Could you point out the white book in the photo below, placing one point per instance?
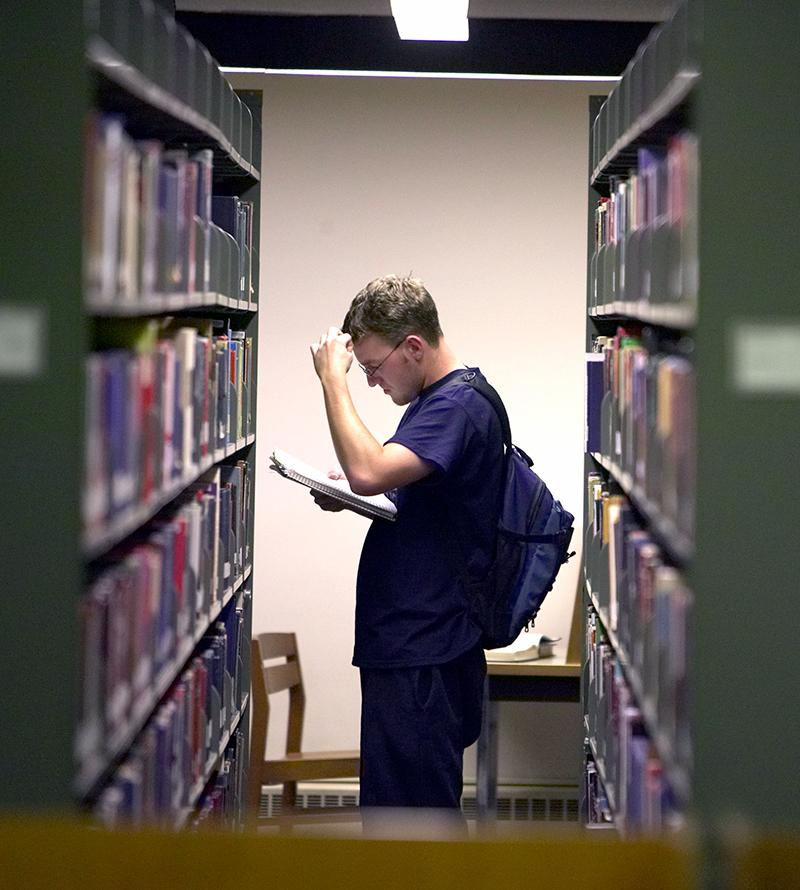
(527, 647)
(185, 351)
(108, 184)
(128, 268)
(290, 467)
(195, 515)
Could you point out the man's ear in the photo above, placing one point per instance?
(416, 346)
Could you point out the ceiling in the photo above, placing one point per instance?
(587, 38)
(597, 10)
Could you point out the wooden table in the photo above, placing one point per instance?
(546, 679)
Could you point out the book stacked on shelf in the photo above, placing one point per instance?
(233, 217)
(162, 777)
(644, 603)
(644, 424)
(645, 252)
(175, 398)
(150, 242)
(235, 520)
(598, 809)
(221, 802)
(624, 756)
(148, 603)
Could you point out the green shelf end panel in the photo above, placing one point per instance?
(746, 719)
(42, 342)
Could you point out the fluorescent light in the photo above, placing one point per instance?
(440, 75)
(431, 19)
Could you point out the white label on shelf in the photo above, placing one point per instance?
(765, 357)
(22, 331)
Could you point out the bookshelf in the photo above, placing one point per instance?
(639, 520)
(692, 404)
(128, 361)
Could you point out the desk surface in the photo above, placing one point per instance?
(554, 666)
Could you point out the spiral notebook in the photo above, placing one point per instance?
(290, 467)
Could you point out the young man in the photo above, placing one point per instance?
(421, 663)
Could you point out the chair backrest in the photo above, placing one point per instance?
(269, 678)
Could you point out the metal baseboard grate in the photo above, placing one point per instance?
(534, 803)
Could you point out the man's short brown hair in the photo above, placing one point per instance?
(393, 307)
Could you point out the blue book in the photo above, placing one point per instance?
(232, 476)
(116, 417)
(163, 758)
(165, 618)
(594, 400)
(176, 161)
(639, 752)
(169, 264)
(225, 214)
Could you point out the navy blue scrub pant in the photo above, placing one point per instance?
(415, 724)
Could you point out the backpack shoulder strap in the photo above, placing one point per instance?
(485, 388)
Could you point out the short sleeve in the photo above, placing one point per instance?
(438, 432)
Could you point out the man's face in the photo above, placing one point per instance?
(386, 365)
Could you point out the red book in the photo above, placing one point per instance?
(190, 211)
(149, 420)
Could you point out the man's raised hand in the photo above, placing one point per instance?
(332, 353)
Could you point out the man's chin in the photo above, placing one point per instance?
(398, 398)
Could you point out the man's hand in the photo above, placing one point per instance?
(325, 501)
(333, 354)
(330, 504)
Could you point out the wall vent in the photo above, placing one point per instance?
(519, 803)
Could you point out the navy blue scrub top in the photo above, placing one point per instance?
(410, 605)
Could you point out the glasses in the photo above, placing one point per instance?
(370, 371)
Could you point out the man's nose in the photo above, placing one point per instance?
(371, 380)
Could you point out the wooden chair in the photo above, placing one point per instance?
(296, 765)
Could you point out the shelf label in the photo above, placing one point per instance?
(22, 341)
(765, 357)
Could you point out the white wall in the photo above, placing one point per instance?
(479, 188)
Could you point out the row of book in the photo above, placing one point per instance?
(149, 600)
(646, 605)
(224, 800)
(153, 227)
(661, 73)
(640, 416)
(178, 74)
(640, 794)
(597, 807)
(159, 408)
(164, 773)
(646, 230)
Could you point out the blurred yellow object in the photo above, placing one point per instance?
(49, 853)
